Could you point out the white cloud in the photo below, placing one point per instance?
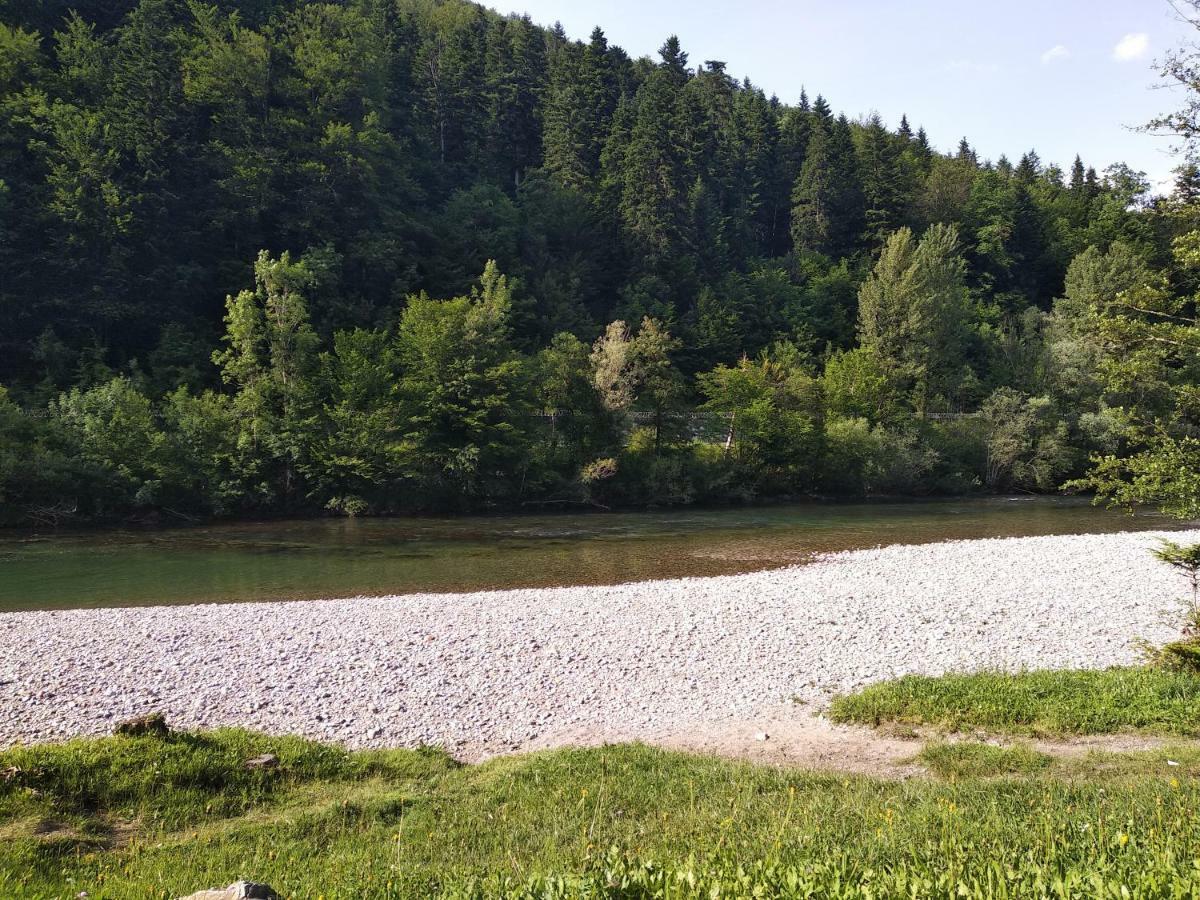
(1131, 47)
(1057, 52)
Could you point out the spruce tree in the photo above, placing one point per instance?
(966, 154)
(1028, 169)
(578, 113)
(923, 149)
(1078, 177)
(879, 164)
(515, 78)
(827, 201)
(653, 177)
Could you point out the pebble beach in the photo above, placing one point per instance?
(495, 672)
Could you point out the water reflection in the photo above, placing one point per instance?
(341, 558)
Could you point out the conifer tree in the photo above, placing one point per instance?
(882, 176)
(579, 107)
(1078, 177)
(514, 76)
(966, 154)
(827, 202)
(652, 170)
(923, 149)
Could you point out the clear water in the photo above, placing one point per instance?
(345, 558)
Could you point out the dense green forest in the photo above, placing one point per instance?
(276, 256)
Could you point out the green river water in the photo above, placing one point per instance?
(345, 558)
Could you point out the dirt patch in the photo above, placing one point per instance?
(1109, 743)
(790, 735)
(807, 741)
(120, 834)
(799, 737)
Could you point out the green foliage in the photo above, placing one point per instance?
(911, 314)
(358, 452)
(1150, 339)
(1185, 559)
(461, 392)
(1150, 366)
(583, 428)
(35, 472)
(208, 470)
(268, 361)
(862, 458)
(1185, 654)
(1027, 443)
(773, 410)
(121, 445)
(386, 152)
(857, 384)
(827, 201)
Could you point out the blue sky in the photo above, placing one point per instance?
(1061, 76)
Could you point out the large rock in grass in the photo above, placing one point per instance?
(239, 890)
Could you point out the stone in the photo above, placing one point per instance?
(239, 890)
(154, 724)
(266, 761)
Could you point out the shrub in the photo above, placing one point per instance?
(1181, 655)
(1184, 654)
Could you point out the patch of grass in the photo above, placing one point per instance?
(185, 778)
(1035, 703)
(973, 760)
(1178, 762)
(144, 817)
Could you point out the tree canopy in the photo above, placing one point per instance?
(468, 261)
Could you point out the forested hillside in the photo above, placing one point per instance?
(387, 255)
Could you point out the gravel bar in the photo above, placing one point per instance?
(492, 672)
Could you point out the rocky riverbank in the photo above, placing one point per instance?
(494, 672)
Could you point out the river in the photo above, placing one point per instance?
(300, 560)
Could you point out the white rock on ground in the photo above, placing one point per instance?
(491, 672)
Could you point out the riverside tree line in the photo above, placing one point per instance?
(388, 255)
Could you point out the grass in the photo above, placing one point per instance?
(1047, 703)
(973, 760)
(161, 817)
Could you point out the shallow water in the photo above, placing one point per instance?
(345, 558)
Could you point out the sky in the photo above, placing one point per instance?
(1059, 76)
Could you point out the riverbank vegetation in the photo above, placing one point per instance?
(1161, 697)
(1046, 703)
(286, 257)
(129, 817)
